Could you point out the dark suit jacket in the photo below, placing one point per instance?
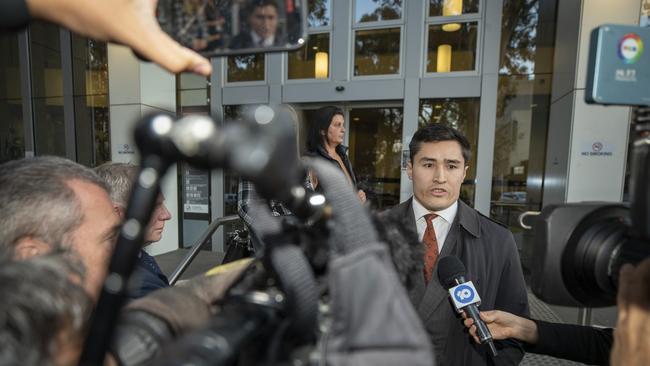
(147, 277)
(490, 255)
(245, 40)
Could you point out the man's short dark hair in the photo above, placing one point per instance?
(262, 3)
(36, 200)
(437, 132)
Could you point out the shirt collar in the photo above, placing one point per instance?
(448, 214)
(267, 41)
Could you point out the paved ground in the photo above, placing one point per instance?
(539, 310)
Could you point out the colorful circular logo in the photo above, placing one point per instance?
(630, 48)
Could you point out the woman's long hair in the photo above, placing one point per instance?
(318, 130)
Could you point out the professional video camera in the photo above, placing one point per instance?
(323, 290)
(580, 247)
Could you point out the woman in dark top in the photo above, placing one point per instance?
(325, 140)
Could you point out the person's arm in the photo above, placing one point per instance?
(129, 22)
(568, 341)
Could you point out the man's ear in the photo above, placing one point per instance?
(119, 211)
(29, 247)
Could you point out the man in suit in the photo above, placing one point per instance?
(439, 157)
(147, 274)
(263, 27)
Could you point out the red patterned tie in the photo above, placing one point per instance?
(430, 247)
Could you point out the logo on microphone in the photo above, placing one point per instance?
(464, 294)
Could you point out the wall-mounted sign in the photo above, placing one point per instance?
(597, 148)
(196, 191)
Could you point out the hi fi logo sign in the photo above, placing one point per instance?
(630, 48)
(464, 294)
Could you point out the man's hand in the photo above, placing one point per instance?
(129, 22)
(505, 325)
(632, 334)
(362, 196)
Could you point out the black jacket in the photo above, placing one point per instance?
(343, 153)
(573, 342)
(490, 255)
(147, 277)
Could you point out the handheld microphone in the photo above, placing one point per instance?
(451, 273)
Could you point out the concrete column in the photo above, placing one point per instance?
(135, 89)
(572, 174)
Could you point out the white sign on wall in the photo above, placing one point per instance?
(597, 148)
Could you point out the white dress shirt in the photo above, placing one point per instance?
(441, 224)
(268, 42)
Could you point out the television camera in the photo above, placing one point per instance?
(326, 256)
(580, 247)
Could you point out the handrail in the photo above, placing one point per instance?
(189, 257)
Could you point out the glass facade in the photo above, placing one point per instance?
(452, 51)
(311, 61)
(374, 11)
(452, 7)
(245, 68)
(377, 52)
(47, 89)
(375, 142)
(91, 112)
(12, 136)
(53, 120)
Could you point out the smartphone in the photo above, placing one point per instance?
(230, 27)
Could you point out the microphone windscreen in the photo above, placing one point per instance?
(450, 268)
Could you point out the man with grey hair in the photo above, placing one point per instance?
(49, 203)
(120, 178)
(42, 313)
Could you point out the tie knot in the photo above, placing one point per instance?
(429, 217)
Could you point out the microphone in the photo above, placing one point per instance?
(451, 273)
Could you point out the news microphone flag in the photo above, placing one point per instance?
(463, 295)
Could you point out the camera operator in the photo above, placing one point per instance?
(129, 22)
(52, 204)
(590, 345)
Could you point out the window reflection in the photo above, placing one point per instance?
(463, 115)
(12, 142)
(373, 10)
(49, 129)
(319, 13)
(375, 143)
(90, 85)
(377, 52)
(452, 51)
(47, 89)
(306, 62)
(452, 7)
(246, 68)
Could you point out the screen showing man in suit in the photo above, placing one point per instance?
(439, 159)
(262, 27)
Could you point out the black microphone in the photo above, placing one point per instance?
(451, 273)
